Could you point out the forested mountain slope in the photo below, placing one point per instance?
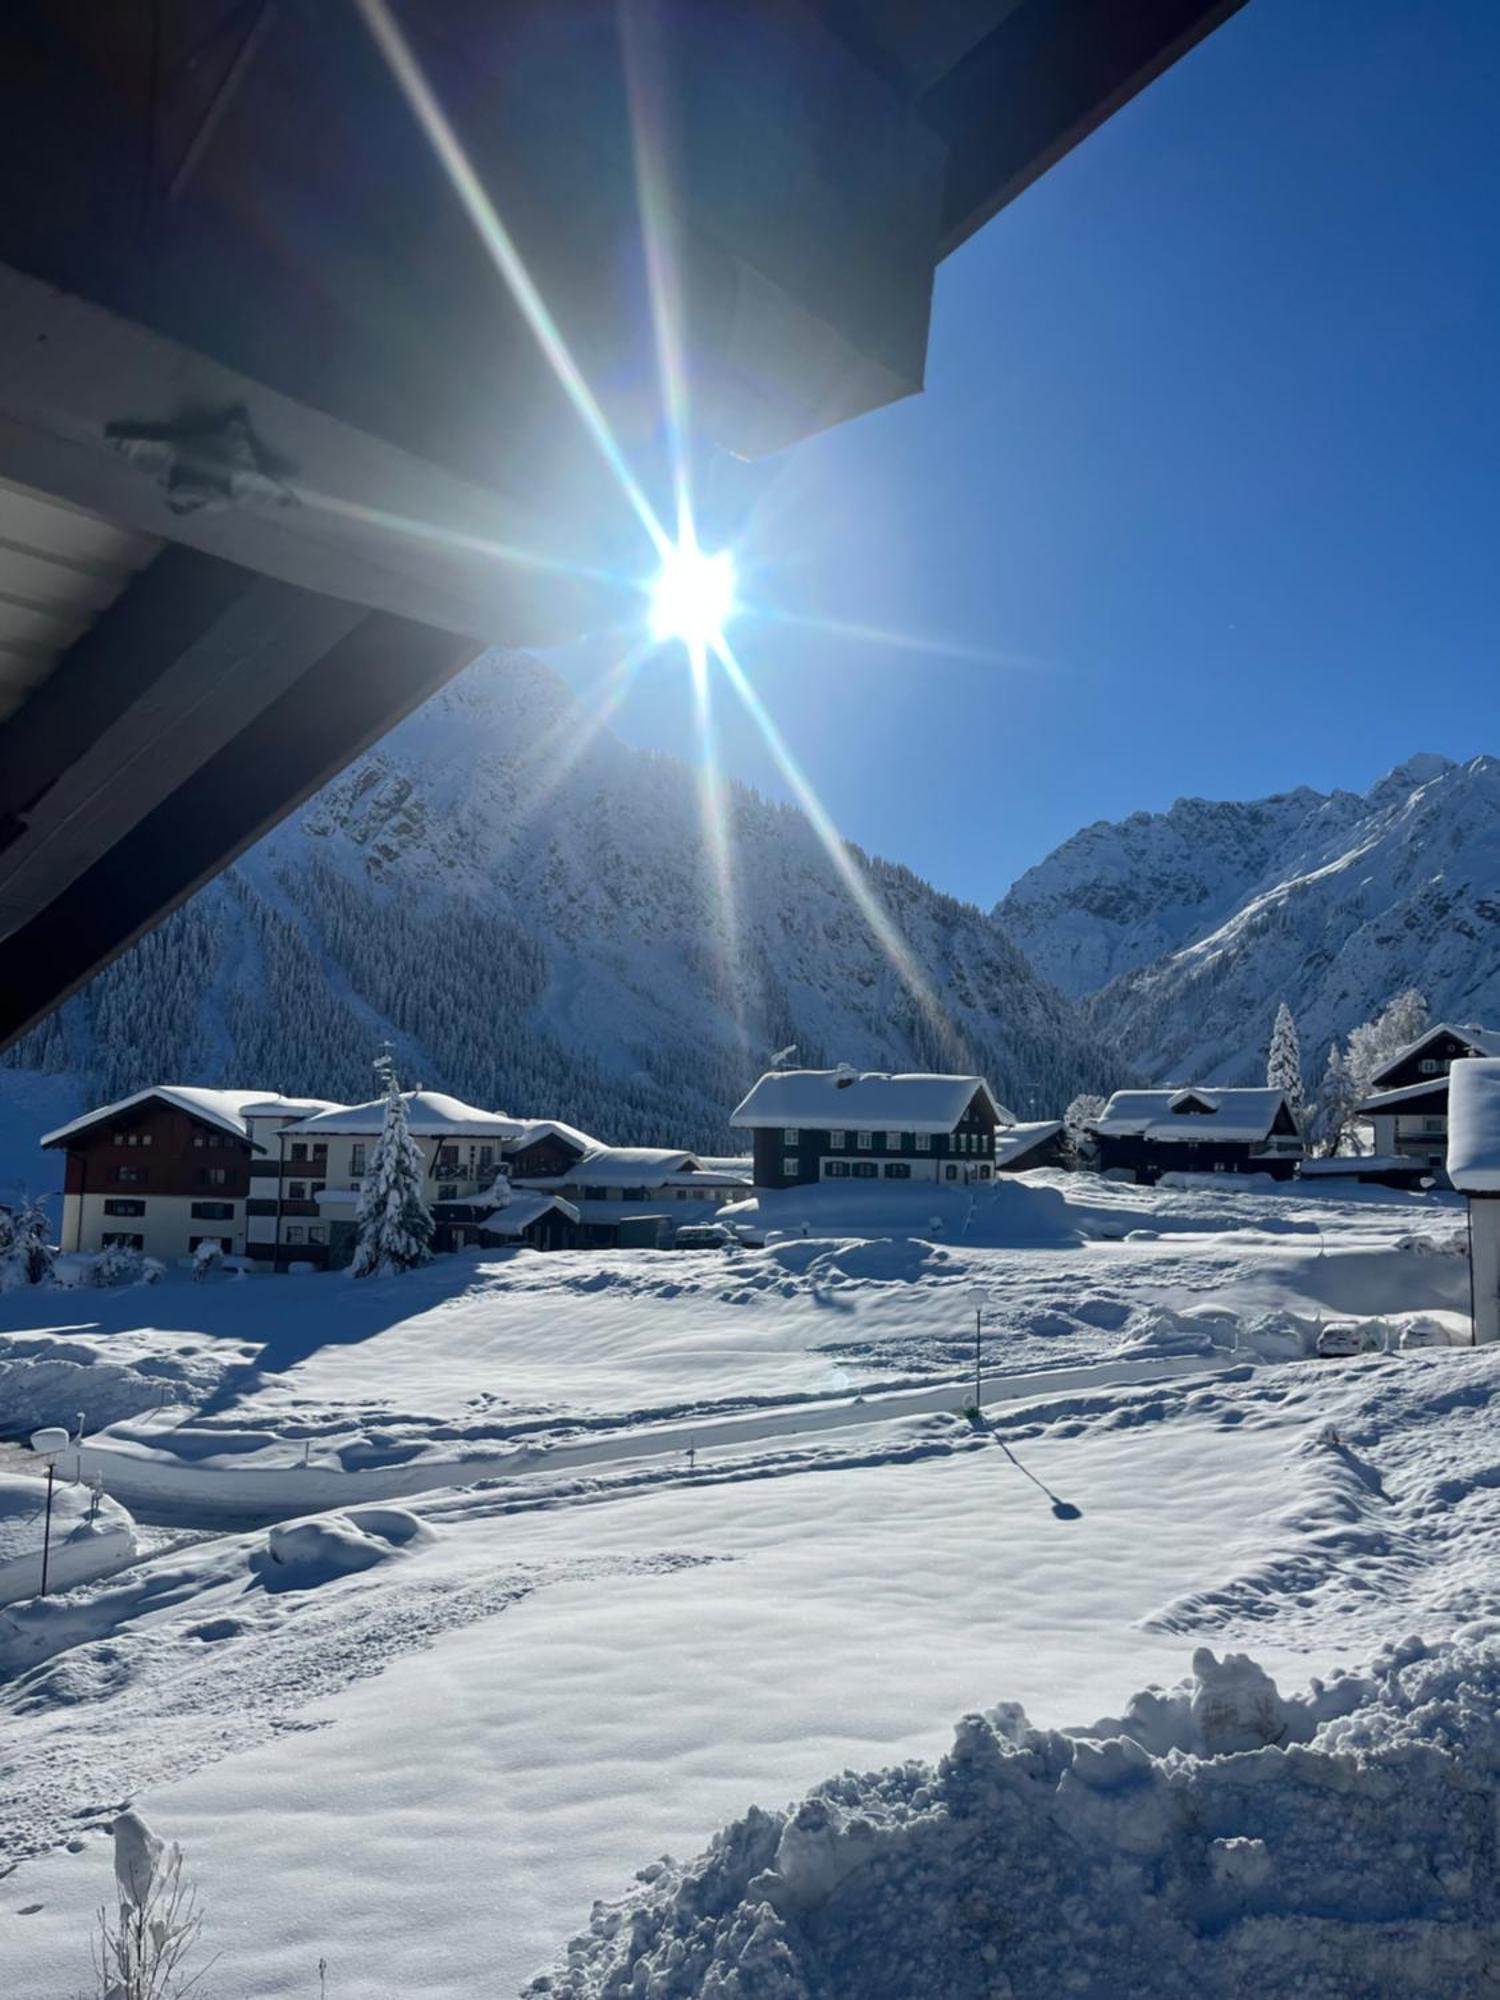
(527, 911)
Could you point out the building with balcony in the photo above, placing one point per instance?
(846, 1125)
(303, 1207)
(1151, 1132)
(1407, 1105)
(167, 1167)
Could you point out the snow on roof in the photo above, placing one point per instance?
(846, 1100)
(543, 1128)
(429, 1115)
(1483, 1041)
(223, 1108)
(1383, 1100)
(1474, 1125)
(522, 1210)
(1168, 1114)
(1018, 1140)
(628, 1166)
(289, 1107)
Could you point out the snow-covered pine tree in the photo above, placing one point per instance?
(1077, 1120)
(26, 1252)
(1333, 1108)
(393, 1222)
(1284, 1063)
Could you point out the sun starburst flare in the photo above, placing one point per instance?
(694, 593)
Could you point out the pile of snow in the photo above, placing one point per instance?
(88, 1540)
(303, 1554)
(1220, 1838)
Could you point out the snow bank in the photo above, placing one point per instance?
(82, 1549)
(1221, 1838)
(302, 1554)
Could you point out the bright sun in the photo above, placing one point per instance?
(693, 596)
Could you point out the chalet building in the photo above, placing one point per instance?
(637, 1196)
(505, 1217)
(840, 1125)
(303, 1205)
(1037, 1143)
(1408, 1101)
(164, 1169)
(1152, 1132)
(1473, 1166)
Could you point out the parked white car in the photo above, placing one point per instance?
(1424, 1333)
(1342, 1338)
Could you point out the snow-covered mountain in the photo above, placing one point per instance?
(526, 909)
(1183, 930)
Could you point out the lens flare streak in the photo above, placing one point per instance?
(507, 258)
(850, 874)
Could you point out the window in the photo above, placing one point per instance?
(447, 1159)
(134, 1139)
(130, 1173)
(296, 1190)
(789, 1168)
(119, 1138)
(299, 1149)
(129, 1239)
(212, 1177)
(357, 1158)
(893, 1142)
(984, 1173)
(200, 1138)
(1430, 1066)
(1434, 1125)
(295, 1233)
(865, 1170)
(213, 1211)
(950, 1173)
(864, 1142)
(792, 1135)
(924, 1142)
(448, 1191)
(836, 1170)
(123, 1207)
(836, 1142)
(897, 1170)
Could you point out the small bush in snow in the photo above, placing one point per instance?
(145, 1946)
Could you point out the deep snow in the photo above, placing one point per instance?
(427, 1741)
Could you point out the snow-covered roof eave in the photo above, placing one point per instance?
(1485, 1041)
(869, 1101)
(221, 1108)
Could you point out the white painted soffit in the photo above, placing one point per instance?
(60, 567)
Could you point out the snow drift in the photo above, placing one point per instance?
(1219, 1838)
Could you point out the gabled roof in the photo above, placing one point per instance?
(553, 1128)
(429, 1115)
(1390, 1100)
(1016, 1141)
(1239, 1115)
(1474, 1125)
(222, 1108)
(1483, 1041)
(846, 1100)
(627, 1166)
(509, 1213)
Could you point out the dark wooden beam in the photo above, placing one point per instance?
(365, 682)
(1047, 76)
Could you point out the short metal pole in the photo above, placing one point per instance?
(978, 1323)
(47, 1527)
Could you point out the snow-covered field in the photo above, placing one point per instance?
(614, 1551)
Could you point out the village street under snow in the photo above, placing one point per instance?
(611, 1551)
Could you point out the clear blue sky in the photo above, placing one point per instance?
(1210, 451)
